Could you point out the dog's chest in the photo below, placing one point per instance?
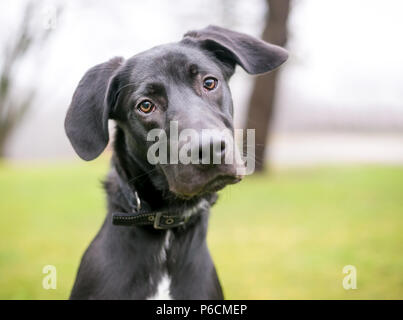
(163, 283)
(163, 289)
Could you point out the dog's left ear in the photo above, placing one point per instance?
(230, 47)
(86, 122)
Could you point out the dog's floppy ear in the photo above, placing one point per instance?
(86, 122)
(253, 55)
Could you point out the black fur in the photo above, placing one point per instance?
(128, 262)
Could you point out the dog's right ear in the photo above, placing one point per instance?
(86, 122)
(253, 55)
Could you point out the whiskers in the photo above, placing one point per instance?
(252, 157)
(142, 175)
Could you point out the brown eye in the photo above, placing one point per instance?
(210, 83)
(146, 106)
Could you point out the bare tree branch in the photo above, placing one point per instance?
(13, 108)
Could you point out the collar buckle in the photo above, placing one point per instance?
(162, 221)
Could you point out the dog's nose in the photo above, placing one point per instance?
(212, 152)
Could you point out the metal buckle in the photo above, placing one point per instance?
(167, 225)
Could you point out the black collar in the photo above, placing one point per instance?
(140, 215)
(159, 220)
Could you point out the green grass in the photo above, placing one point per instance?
(283, 236)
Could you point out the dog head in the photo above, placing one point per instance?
(171, 88)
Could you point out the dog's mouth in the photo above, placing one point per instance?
(212, 186)
(220, 182)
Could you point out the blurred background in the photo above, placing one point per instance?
(328, 189)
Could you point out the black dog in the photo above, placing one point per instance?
(162, 251)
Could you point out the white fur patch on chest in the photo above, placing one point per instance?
(164, 283)
(163, 287)
(163, 291)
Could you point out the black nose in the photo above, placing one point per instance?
(212, 152)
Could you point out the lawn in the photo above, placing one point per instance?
(286, 235)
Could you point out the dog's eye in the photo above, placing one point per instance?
(210, 83)
(146, 106)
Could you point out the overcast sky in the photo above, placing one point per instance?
(344, 55)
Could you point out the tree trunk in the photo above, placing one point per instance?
(261, 105)
(2, 146)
